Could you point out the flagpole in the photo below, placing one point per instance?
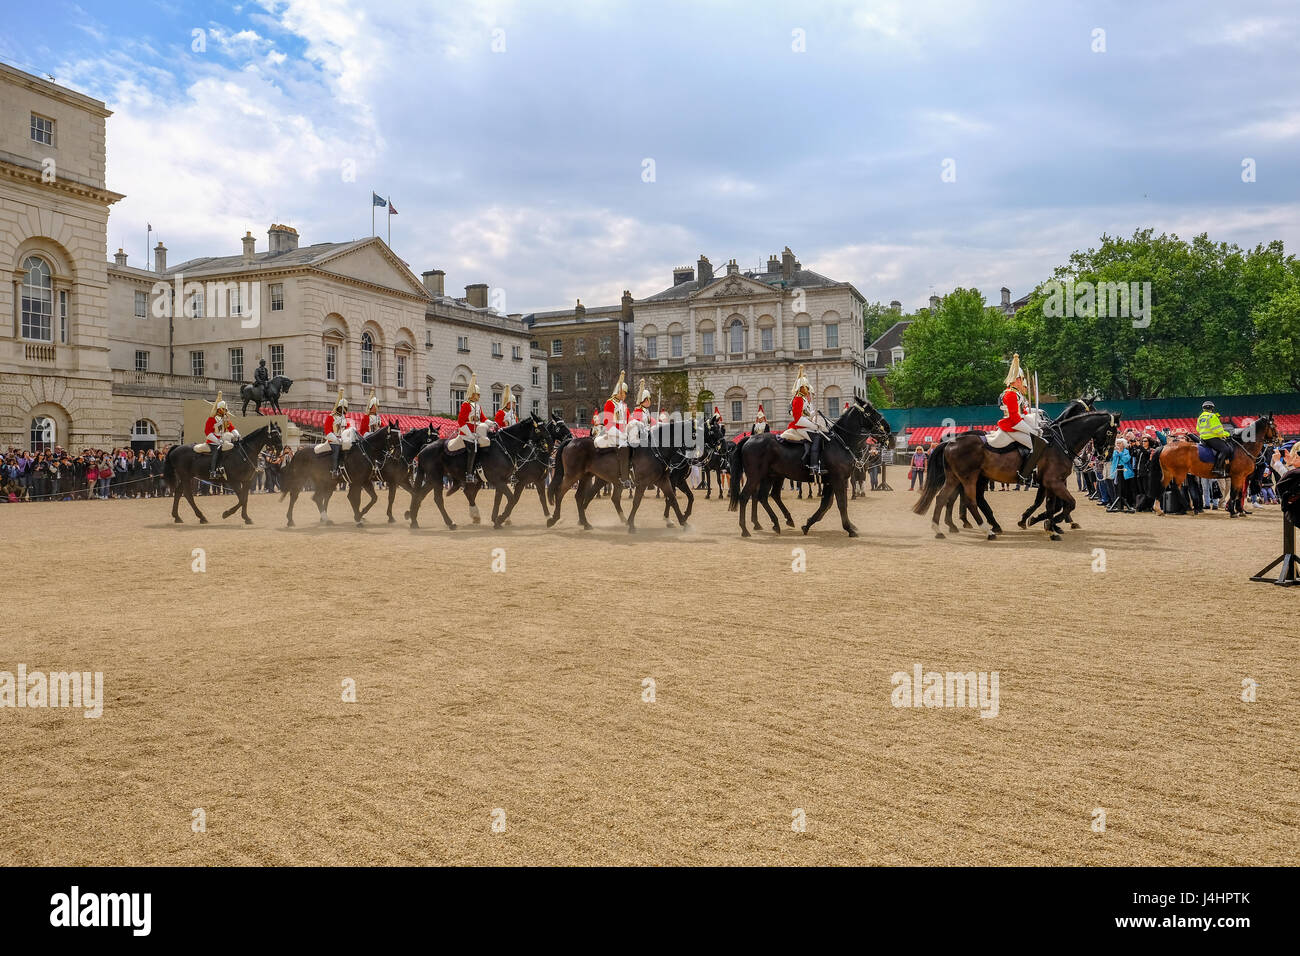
(390, 222)
(372, 212)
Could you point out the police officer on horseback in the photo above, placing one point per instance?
(1212, 433)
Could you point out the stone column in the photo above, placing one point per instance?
(690, 339)
(18, 306)
(779, 344)
(751, 336)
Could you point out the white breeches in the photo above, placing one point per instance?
(1022, 432)
(613, 437)
(224, 442)
(799, 431)
(331, 439)
(477, 433)
(350, 434)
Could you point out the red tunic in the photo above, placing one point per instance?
(210, 426)
(611, 419)
(465, 413)
(501, 419)
(796, 410)
(1011, 408)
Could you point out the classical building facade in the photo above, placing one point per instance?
(467, 335)
(740, 337)
(54, 338)
(585, 349)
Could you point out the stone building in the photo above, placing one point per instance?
(740, 337)
(54, 204)
(464, 335)
(584, 350)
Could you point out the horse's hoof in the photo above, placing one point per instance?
(1075, 525)
(451, 526)
(991, 537)
(631, 529)
(248, 521)
(550, 522)
(391, 519)
(852, 533)
(965, 524)
(939, 534)
(586, 527)
(1021, 524)
(178, 520)
(776, 528)
(1054, 537)
(744, 533)
(406, 515)
(507, 521)
(203, 521)
(804, 529)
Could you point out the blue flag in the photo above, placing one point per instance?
(377, 200)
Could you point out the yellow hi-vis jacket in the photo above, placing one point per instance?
(1210, 426)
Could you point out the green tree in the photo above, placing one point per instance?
(876, 394)
(1277, 345)
(877, 318)
(954, 355)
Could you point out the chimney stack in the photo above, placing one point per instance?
(704, 270)
(476, 295)
(773, 264)
(788, 265)
(281, 238)
(433, 281)
(160, 258)
(579, 310)
(1006, 298)
(249, 245)
(627, 306)
(934, 303)
(683, 274)
(120, 258)
(895, 306)
(732, 268)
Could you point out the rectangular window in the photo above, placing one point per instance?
(63, 317)
(832, 408)
(141, 361)
(457, 399)
(516, 354)
(462, 343)
(652, 346)
(557, 346)
(195, 307)
(277, 360)
(767, 336)
(196, 364)
(737, 410)
(557, 382)
(277, 296)
(537, 376)
(833, 336)
(331, 363)
(805, 337)
(580, 379)
(42, 130)
(537, 407)
(871, 359)
(558, 410)
(582, 418)
(580, 346)
(706, 343)
(236, 364)
(401, 371)
(141, 305)
(496, 350)
(235, 305)
(605, 342)
(675, 343)
(496, 402)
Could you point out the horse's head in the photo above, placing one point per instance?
(274, 437)
(539, 436)
(1104, 438)
(283, 382)
(392, 439)
(1266, 430)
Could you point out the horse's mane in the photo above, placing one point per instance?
(514, 430)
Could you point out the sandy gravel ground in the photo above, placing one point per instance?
(523, 691)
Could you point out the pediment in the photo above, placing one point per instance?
(372, 262)
(728, 286)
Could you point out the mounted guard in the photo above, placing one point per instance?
(760, 422)
(1019, 423)
(373, 419)
(471, 429)
(505, 416)
(642, 419)
(339, 434)
(219, 434)
(614, 434)
(802, 426)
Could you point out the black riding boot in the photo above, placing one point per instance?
(1222, 464)
(1026, 473)
(471, 452)
(335, 470)
(816, 452)
(216, 457)
(624, 455)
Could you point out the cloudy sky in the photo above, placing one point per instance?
(514, 137)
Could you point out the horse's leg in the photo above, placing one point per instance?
(370, 490)
(776, 496)
(617, 496)
(392, 496)
(189, 496)
(747, 490)
(766, 490)
(176, 498)
(293, 499)
(496, 508)
(842, 499)
(1038, 500)
(825, 506)
(941, 498)
(540, 485)
(666, 483)
(243, 491)
(565, 484)
(637, 494)
(442, 509)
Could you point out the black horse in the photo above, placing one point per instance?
(535, 471)
(679, 475)
(359, 464)
(183, 464)
(764, 460)
(714, 461)
(396, 469)
(498, 461)
(270, 395)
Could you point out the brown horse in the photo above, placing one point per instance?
(956, 468)
(1174, 462)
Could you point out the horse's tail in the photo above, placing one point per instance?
(734, 468)
(557, 473)
(169, 468)
(289, 476)
(935, 476)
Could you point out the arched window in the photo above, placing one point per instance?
(42, 435)
(38, 300)
(367, 359)
(737, 334)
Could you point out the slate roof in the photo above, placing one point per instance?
(302, 256)
(892, 337)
